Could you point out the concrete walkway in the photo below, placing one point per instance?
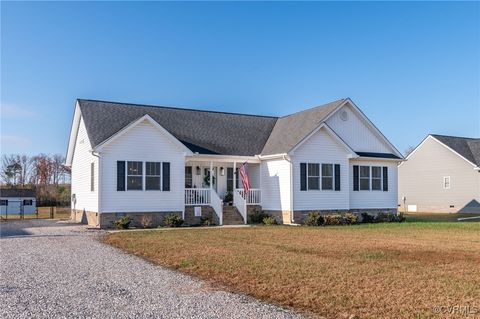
(52, 269)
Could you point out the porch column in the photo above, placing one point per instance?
(234, 176)
(211, 176)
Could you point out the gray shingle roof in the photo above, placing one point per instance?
(291, 129)
(465, 146)
(17, 192)
(206, 132)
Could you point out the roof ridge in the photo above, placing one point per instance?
(178, 108)
(313, 107)
(463, 137)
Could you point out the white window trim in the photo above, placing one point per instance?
(126, 176)
(447, 178)
(145, 177)
(381, 179)
(320, 177)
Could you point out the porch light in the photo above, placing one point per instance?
(198, 170)
(222, 171)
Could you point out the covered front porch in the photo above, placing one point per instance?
(213, 180)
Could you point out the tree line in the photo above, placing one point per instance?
(45, 173)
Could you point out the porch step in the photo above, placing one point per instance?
(231, 216)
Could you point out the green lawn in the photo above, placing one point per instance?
(371, 271)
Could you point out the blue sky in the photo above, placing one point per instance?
(413, 68)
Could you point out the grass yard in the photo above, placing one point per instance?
(371, 271)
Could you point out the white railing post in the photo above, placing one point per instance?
(217, 205)
(240, 203)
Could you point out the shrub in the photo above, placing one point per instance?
(401, 217)
(257, 217)
(123, 223)
(228, 197)
(269, 220)
(333, 219)
(146, 221)
(350, 219)
(383, 217)
(206, 221)
(367, 218)
(173, 220)
(314, 219)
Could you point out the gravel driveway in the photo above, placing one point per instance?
(52, 269)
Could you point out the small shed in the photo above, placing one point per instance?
(17, 201)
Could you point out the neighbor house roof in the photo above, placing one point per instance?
(467, 147)
(17, 192)
(210, 132)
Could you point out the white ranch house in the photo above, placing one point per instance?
(148, 161)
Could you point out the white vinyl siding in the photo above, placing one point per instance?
(355, 132)
(370, 198)
(320, 148)
(82, 163)
(275, 184)
(421, 180)
(142, 143)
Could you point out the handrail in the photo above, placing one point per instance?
(240, 203)
(217, 205)
(253, 196)
(197, 196)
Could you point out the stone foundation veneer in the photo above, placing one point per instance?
(281, 216)
(156, 218)
(207, 212)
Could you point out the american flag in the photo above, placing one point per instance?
(244, 175)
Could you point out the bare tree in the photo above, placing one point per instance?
(409, 150)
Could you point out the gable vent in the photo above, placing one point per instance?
(344, 115)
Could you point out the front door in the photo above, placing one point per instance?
(206, 177)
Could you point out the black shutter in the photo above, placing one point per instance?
(166, 176)
(120, 175)
(385, 179)
(356, 180)
(303, 176)
(337, 177)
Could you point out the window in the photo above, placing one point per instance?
(152, 176)
(4, 202)
(229, 179)
(134, 175)
(446, 182)
(27, 202)
(92, 177)
(188, 177)
(327, 176)
(376, 178)
(364, 178)
(313, 179)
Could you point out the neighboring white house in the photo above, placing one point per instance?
(148, 161)
(16, 201)
(441, 174)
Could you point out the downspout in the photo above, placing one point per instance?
(96, 154)
(286, 158)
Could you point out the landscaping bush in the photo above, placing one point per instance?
(401, 217)
(173, 220)
(384, 217)
(367, 218)
(146, 221)
(314, 219)
(257, 217)
(350, 219)
(333, 219)
(206, 221)
(123, 223)
(269, 220)
(228, 197)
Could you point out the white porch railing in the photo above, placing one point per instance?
(217, 205)
(253, 196)
(205, 196)
(240, 203)
(197, 196)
